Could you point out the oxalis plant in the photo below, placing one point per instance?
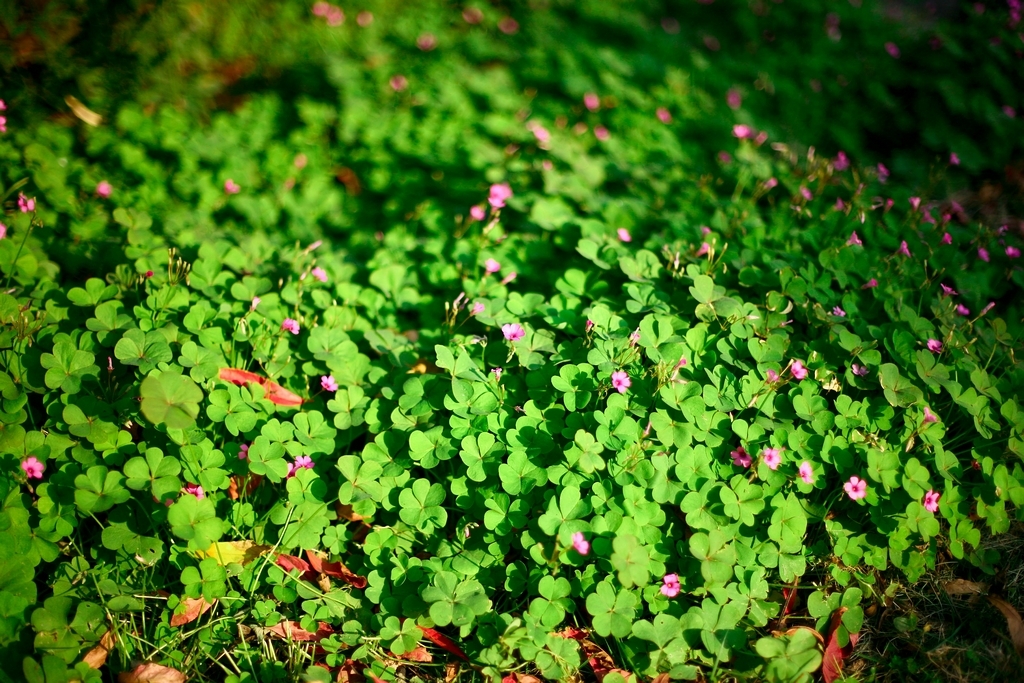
(658, 450)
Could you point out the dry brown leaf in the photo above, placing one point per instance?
(451, 671)
(290, 630)
(336, 569)
(420, 654)
(194, 608)
(97, 656)
(345, 512)
(151, 673)
(351, 672)
(1013, 621)
(964, 587)
(82, 111)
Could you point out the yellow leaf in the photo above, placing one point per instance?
(234, 552)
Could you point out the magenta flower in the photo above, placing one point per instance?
(840, 205)
(477, 309)
(591, 101)
(989, 307)
(231, 187)
(1010, 111)
(1013, 252)
(931, 501)
(842, 162)
(806, 472)
(32, 467)
(670, 585)
(243, 451)
(854, 240)
(580, 544)
(601, 133)
(681, 363)
(426, 42)
(335, 16)
(634, 337)
(963, 310)
(3, 106)
(320, 274)
(255, 302)
(770, 183)
(883, 173)
(301, 462)
(742, 131)
(328, 383)
(893, 50)
(104, 189)
(772, 376)
(320, 9)
(492, 266)
(620, 381)
(733, 98)
(398, 83)
(624, 235)
(500, 193)
(589, 326)
(497, 374)
(290, 325)
(740, 457)
(477, 213)
(856, 488)
(838, 312)
(858, 370)
(798, 370)
(704, 248)
(904, 249)
(509, 278)
(929, 416)
(771, 457)
(3, 124)
(195, 490)
(3, 231)
(663, 115)
(513, 332)
(541, 133)
(983, 254)
(870, 284)
(915, 203)
(25, 204)
(947, 239)
(806, 194)
(934, 345)
(954, 160)
(948, 291)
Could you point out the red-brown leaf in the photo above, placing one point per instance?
(272, 391)
(1013, 621)
(835, 656)
(290, 562)
(151, 673)
(246, 483)
(97, 656)
(443, 642)
(420, 654)
(335, 569)
(293, 631)
(194, 608)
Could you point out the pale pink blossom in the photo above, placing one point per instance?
(328, 383)
(770, 183)
(870, 284)
(301, 462)
(989, 307)
(915, 203)
(772, 457)
(883, 173)
(195, 490)
(634, 337)
(477, 212)
(934, 345)
(806, 472)
(670, 586)
(580, 544)
(26, 204)
(492, 266)
(3, 231)
(663, 115)
(798, 370)
(320, 274)
(963, 310)
(509, 278)
(858, 370)
(842, 162)
(854, 240)
(1013, 252)
(772, 375)
(838, 312)
(513, 331)
(255, 302)
(497, 374)
(290, 325)
(733, 98)
(620, 381)
(601, 133)
(948, 291)
(477, 309)
(742, 131)
(231, 187)
(947, 239)
(929, 416)
(856, 488)
(954, 160)
(104, 189)
(740, 457)
(806, 194)
(321, 9)
(32, 467)
(624, 235)
(591, 101)
(335, 16)
(983, 254)
(243, 451)
(704, 248)
(499, 194)
(931, 501)
(398, 83)
(904, 249)
(3, 124)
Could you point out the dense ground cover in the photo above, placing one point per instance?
(473, 341)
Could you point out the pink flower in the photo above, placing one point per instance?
(513, 332)
(508, 26)
(854, 240)
(931, 501)
(798, 370)
(321, 9)
(3, 231)
(472, 15)
(858, 370)
(893, 50)
(589, 326)
(948, 291)
(477, 309)
(954, 160)
(398, 83)
(704, 248)
(963, 310)
(770, 183)
(733, 98)
(620, 381)
(839, 204)
(663, 115)
(772, 376)
(314, 246)
(541, 133)
(477, 213)
(806, 194)
(3, 106)
(934, 345)
(426, 42)
(32, 467)
(740, 457)
(25, 204)
(328, 383)
(509, 278)
(1013, 252)
(492, 266)
(724, 157)
(580, 544)
(670, 585)
(591, 101)
(243, 451)
(500, 193)
(842, 162)
(856, 488)
(838, 312)
(195, 490)
(3, 124)
(497, 374)
(989, 307)
(104, 189)
(624, 235)
(883, 173)
(255, 302)
(681, 363)
(364, 18)
(634, 337)
(320, 274)
(904, 249)
(231, 187)
(915, 203)
(290, 325)
(741, 131)
(947, 239)
(301, 462)
(601, 133)
(771, 458)
(335, 16)
(806, 472)
(1010, 111)
(870, 284)
(983, 254)
(929, 416)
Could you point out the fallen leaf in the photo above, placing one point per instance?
(345, 512)
(151, 673)
(246, 484)
(194, 608)
(351, 672)
(451, 672)
(83, 112)
(291, 630)
(234, 552)
(272, 391)
(600, 661)
(97, 656)
(290, 562)
(1013, 621)
(964, 587)
(420, 654)
(835, 656)
(443, 642)
(335, 569)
